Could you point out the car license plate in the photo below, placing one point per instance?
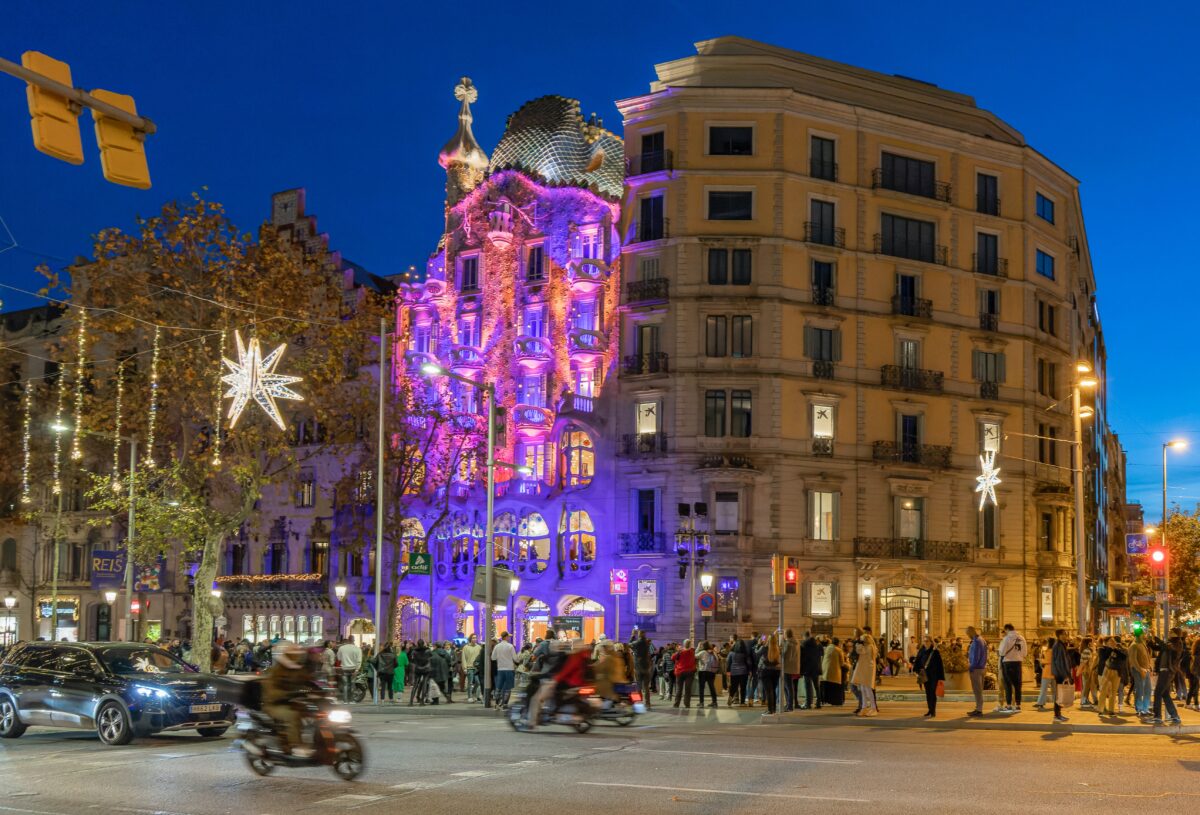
(205, 708)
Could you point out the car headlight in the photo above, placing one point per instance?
(149, 692)
(339, 716)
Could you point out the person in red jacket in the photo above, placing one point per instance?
(685, 672)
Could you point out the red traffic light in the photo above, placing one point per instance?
(791, 575)
(1158, 555)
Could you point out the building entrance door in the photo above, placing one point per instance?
(904, 616)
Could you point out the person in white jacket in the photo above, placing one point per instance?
(1013, 650)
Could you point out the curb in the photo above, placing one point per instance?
(442, 711)
(980, 723)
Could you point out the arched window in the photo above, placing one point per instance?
(533, 543)
(578, 457)
(578, 536)
(412, 539)
(463, 543)
(8, 555)
(504, 533)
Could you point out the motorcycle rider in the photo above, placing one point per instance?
(565, 666)
(289, 676)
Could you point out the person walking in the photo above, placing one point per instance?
(385, 671)
(789, 648)
(1140, 669)
(643, 664)
(1166, 665)
(419, 660)
(863, 678)
(505, 656)
(1013, 649)
(706, 667)
(470, 655)
(1041, 658)
(349, 657)
(737, 664)
(1060, 669)
(1113, 667)
(685, 674)
(976, 666)
(928, 665)
(810, 666)
(833, 665)
(1087, 673)
(401, 669)
(768, 671)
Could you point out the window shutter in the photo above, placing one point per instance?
(977, 365)
(808, 341)
(1000, 367)
(812, 514)
(837, 345)
(837, 516)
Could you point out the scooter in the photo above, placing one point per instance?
(626, 708)
(577, 708)
(334, 742)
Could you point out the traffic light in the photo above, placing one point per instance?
(122, 149)
(1138, 627)
(776, 575)
(791, 576)
(55, 118)
(1158, 560)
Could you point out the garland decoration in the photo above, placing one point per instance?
(116, 468)
(151, 419)
(80, 371)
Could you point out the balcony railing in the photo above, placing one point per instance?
(912, 306)
(912, 548)
(989, 390)
(939, 190)
(636, 364)
(822, 446)
(911, 379)
(988, 321)
(989, 264)
(652, 230)
(644, 444)
(822, 369)
(654, 161)
(644, 543)
(912, 250)
(575, 403)
(826, 170)
(823, 296)
(986, 205)
(926, 455)
(824, 234)
(642, 291)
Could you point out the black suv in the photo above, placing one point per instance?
(121, 689)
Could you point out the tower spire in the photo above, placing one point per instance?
(462, 158)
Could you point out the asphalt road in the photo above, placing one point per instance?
(718, 762)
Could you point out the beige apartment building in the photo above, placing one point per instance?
(842, 289)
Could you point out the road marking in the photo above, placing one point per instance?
(419, 785)
(350, 799)
(724, 792)
(172, 755)
(472, 773)
(566, 755)
(744, 755)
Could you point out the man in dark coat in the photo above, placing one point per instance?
(439, 664)
(810, 666)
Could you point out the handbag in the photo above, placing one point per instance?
(941, 687)
(1066, 695)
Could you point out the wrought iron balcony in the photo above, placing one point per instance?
(925, 455)
(912, 548)
(730, 461)
(653, 161)
(822, 369)
(939, 190)
(912, 306)
(988, 321)
(824, 234)
(822, 446)
(989, 390)
(642, 291)
(644, 543)
(989, 264)
(644, 444)
(912, 250)
(823, 296)
(826, 170)
(911, 379)
(636, 364)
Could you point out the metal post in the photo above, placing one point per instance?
(1081, 601)
(383, 376)
(1166, 630)
(129, 632)
(692, 581)
(54, 577)
(81, 98)
(489, 391)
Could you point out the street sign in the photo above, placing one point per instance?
(618, 581)
(707, 601)
(1136, 544)
(421, 563)
(501, 585)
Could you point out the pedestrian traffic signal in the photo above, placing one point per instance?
(1138, 628)
(1158, 560)
(55, 118)
(791, 577)
(122, 149)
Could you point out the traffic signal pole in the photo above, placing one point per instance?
(79, 97)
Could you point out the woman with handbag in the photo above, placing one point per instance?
(930, 673)
(1060, 666)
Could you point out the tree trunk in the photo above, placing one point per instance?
(205, 607)
(387, 615)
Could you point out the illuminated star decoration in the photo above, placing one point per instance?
(253, 377)
(987, 480)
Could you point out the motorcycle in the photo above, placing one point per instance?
(577, 708)
(334, 742)
(626, 708)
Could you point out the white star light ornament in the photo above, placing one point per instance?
(987, 480)
(253, 377)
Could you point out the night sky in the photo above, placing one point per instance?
(354, 103)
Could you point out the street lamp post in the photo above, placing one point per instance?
(690, 546)
(10, 602)
(110, 597)
(489, 391)
(1079, 412)
(951, 596)
(706, 582)
(514, 585)
(339, 591)
(866, 593)
(1176, 444)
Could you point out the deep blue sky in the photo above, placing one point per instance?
(353, 101)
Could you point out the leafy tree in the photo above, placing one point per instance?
(1183, 553)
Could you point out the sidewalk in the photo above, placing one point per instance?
(368, 708)
(952, 715)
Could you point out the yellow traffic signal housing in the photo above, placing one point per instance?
(122, 151)
(55, 118)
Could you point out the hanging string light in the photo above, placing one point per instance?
(217, 404)
(150, 422)
(58, 428)
(80, 370)
(116, 470)
(26, 431)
